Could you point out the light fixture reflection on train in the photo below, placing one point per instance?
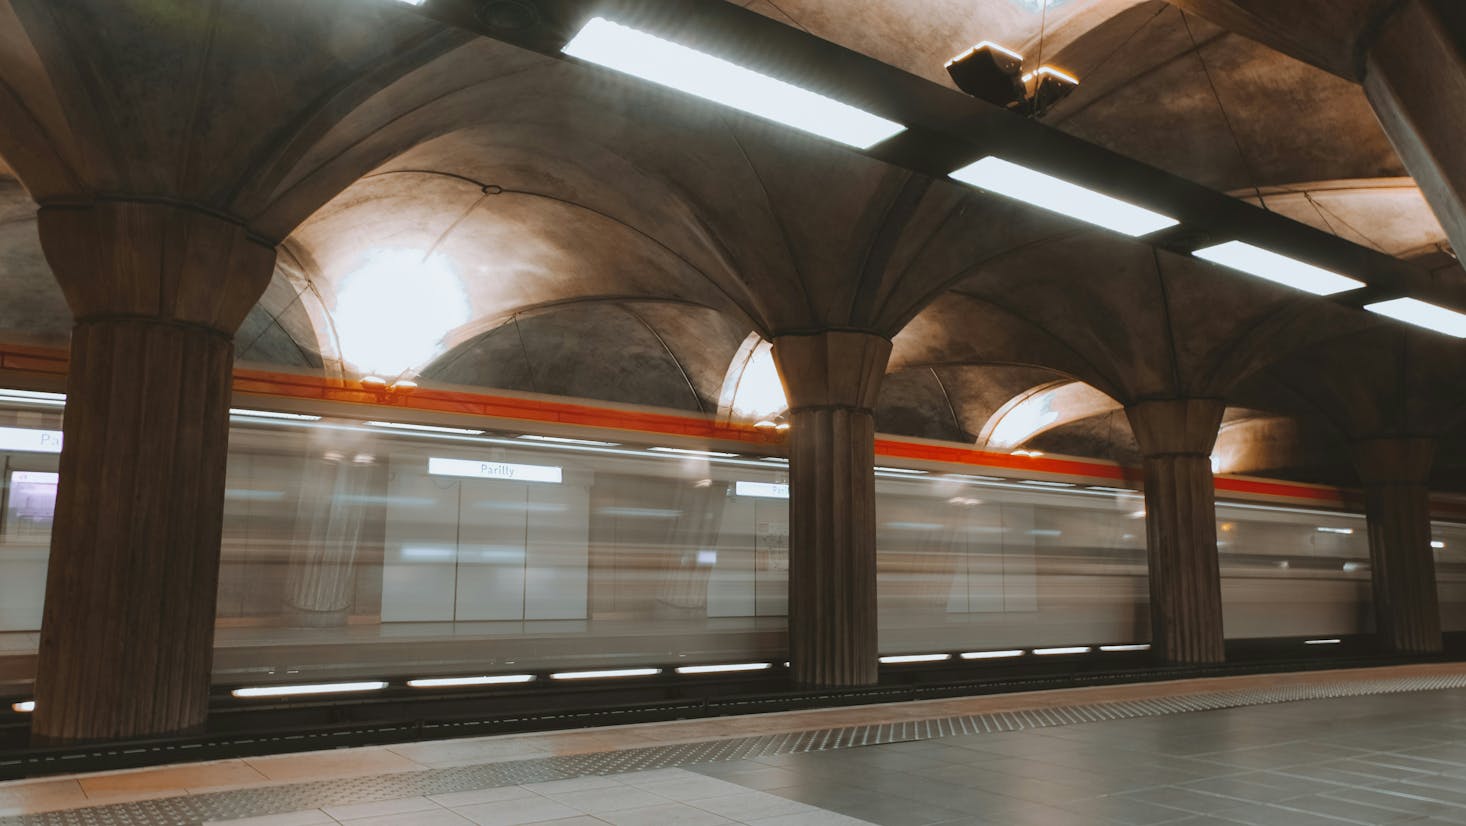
(687, 451)
(34, 397)
(566, 440)
(393, 312)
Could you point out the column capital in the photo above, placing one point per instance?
(1176, 426)
(832, 369)
(157, 261)
(1394, 460)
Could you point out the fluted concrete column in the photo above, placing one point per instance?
(1415, 78)
(832, 379)
(127, 635)
(1176, 438)
(1396, 476)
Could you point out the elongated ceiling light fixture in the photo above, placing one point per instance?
(1422, 314)
(900, 659)
(605, 673)
(1047, 192)
(454, 682)
(318, 688)
(663, 62)
(993, 655)
(719, 669)
(1280, 269)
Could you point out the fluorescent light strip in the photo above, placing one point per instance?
(451, 682)
(1322, 642)
(992, 655)
(1070, 649)
(1102, 489)
(1047, 192)
(907, 471)
(682, 451)
(718, 669)
(1422, 314)
(273, 414)
(426, 428)
(319, 688)
(1344, 531)
(1144, 646)
(1437, 544)
(565, 440)
(1042, 483)
(609, 672)
(25, 707)
(663, 62)
(915, 658)
(1280, 269)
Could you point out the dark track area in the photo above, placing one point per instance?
(240, 728)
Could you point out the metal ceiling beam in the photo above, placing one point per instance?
(946, 129)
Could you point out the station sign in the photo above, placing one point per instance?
(25, 440)
(762, 490)
(505, 471)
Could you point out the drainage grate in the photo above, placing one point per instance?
(192, 809)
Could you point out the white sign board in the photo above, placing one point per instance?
(24, 440)
(474, 469)
(763, 490)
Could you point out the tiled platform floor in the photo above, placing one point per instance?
(1379, 759)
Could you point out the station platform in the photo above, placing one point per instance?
(1369, 745)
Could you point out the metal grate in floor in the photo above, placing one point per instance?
(192, 809)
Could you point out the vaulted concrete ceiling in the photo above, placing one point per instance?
(920, 36)
(606, 239)
(1173, 89)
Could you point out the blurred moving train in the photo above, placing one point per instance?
(376, 549)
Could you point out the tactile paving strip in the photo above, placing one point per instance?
(193, 809)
